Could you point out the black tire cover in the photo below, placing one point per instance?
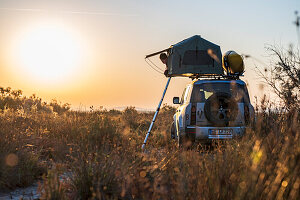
(220, 109)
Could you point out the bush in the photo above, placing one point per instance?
(100, 159)
(131, 117)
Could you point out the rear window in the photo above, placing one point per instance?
(203, 91)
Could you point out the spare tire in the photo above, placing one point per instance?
(220, 109)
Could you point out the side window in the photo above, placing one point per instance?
(185, 95)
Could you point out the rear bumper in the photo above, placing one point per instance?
(210, 133)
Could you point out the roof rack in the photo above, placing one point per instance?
(215, 76)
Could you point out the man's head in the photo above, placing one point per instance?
(164, 58)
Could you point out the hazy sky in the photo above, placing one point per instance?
(106, 41)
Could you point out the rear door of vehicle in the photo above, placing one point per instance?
(198, 98)
(201, 92)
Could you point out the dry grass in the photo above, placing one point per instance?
(97, 155)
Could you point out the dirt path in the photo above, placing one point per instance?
(29, 193)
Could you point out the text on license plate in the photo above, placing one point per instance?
(220, 131)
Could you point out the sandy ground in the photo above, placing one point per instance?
(29, 193)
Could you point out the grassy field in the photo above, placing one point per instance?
(97, 155)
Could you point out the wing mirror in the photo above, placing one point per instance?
(176, 100)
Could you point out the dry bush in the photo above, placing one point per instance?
(102, 160)
(283, 76)
(263, 165)
(19, 164)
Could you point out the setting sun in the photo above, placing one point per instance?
(49, 52)
(149, 99)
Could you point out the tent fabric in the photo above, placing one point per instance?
(194, 55)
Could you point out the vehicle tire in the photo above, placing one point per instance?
(173, 130)
(184, 142)
(180, 141)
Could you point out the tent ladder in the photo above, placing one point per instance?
(155, 115)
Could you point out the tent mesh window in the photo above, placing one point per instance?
(197, 57)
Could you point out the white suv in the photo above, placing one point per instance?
(212, 109)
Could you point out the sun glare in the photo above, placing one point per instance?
(49, 52)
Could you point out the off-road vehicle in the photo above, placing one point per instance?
(216, 105)
(212, 109)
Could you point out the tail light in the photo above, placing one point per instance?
(193, 115)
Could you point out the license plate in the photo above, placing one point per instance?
(220, 131)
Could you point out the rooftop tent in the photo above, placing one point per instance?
(194, 55)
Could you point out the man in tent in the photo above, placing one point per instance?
(164, 59)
